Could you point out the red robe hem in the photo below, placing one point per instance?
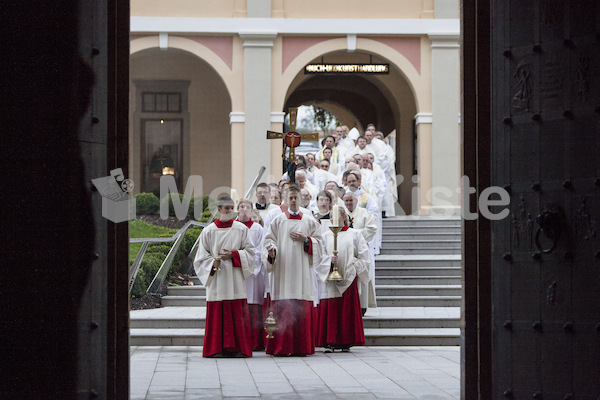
(227, 328)
(340, 320)
(257, 326)
(295, 335)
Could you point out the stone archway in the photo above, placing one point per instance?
(388, 101)
(206, 106)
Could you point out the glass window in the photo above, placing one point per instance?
(161, 151)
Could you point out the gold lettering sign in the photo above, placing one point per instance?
(347, 69)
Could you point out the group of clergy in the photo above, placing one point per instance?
(275, 259)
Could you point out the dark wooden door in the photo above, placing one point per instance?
(545, 150)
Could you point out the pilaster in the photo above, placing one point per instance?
(257, 104)
(445, 129)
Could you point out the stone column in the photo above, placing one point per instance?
(257, 105)
(277, 120)
(445, 132)
(236, 120)
(419, 201)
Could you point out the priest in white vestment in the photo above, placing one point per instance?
(363, 221)
(262, 204)
(340, 319)
(292, 248)
(224, 260)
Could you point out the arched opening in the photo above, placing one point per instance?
(358, 99)
(198, 126)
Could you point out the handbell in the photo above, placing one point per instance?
(335, 275)
(270, 325)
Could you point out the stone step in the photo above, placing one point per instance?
(424, 251)
(196, 290)
(418, 301)
(183, 301)
(425, 244)
(433, 229)
(375, 318)
(373, 337)
(412, 337)
(410, 235)
(418, 280)
(418, 260)
(392, 300)
(418, 290)
(421, 221)
(415, 271)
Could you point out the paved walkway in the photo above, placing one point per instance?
(169, 373)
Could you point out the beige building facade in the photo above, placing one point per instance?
(208, 79)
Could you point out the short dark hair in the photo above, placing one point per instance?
(262, 185)
(326, 194)
(221, 201)
(291, 188)
(334, 182)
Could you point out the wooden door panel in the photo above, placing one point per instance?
(545, 150)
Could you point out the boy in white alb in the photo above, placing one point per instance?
(224, 260)
(292, 247)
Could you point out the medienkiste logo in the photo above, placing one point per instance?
(117, 203)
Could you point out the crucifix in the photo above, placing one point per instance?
(292, 139)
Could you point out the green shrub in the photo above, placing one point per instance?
(155, 255)
(169, 198)
(159, 249)
(150, 265)
(146, 204)
(190, 212)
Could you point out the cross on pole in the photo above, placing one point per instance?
(292, 139)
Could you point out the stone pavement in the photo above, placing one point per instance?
(172, 372)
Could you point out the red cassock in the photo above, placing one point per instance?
(295, 335)
(340, 316)
(340, 320)
(293, 282)
(227, 328)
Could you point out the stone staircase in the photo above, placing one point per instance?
(418, 286)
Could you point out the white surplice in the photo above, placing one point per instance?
(353, 261)
(255, 283)
(293, 274)
(363, 221)
(229, 282)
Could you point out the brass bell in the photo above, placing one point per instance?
(270, 325)
(335, 275)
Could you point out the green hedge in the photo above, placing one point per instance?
(193, 200)
(146, 204)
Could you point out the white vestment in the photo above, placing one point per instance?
(386, 158)
(362, 221)
(263, 213)
(257, 282)
(353, 261)
(229, 282)
(292, 271)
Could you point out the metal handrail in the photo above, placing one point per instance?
(167, 262)
(261, 171)
(161, 274)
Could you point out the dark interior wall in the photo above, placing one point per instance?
(49, 241)
(47, 222)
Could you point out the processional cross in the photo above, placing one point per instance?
(292, 139)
